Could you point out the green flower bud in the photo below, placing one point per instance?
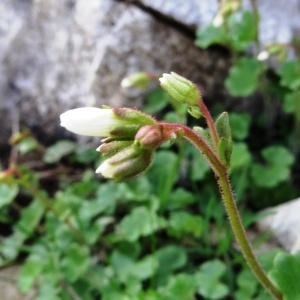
(140, 80)
(109, 149)
(225, 150)
(126, 163)
(223, 126)
(225, 142)
(180, 88)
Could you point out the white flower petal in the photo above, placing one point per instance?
(163, 80)
(106, 169)
(218, 20)
(90, 121)
(263, 55)
(125, 83)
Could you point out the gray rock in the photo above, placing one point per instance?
(56, 55)
(8, 285)
(284, 223)
(279, 21)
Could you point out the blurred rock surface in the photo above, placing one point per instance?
(8, 285)
(284, 223)
(57, 55)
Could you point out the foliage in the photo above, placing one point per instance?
(165, 234)
(135, 240)
(261, 168)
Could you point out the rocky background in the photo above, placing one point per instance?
(56, 55)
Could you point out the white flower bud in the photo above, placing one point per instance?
(106, 169)
(90, 121)
(263, 55)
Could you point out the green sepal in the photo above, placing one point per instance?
(223, 126)
(194, 111)
(204, 134)
(225, 150)
(132, 166)
(111, 148)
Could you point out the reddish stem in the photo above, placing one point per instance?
(210, 123)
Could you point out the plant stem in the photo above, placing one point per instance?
(256, 22)
(36, 194)
(210, 123)
(229, 203)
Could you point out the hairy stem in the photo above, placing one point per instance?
(36, 194)
(210, 123)
(229, 203)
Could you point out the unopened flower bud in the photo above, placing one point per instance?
(140, 80)
(229, 6)
(126, 164)
(120, 123)
(180, 88)
(109, 149)
(218, 20)
(263, 55)
(6, 175)
(225, 141)
(149, 137)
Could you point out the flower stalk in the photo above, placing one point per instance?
(230, 206)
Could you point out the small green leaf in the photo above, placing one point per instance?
(182, 223)
(240, 124)
(48, 291)
(208, 280)
(210, 35)
(213, 269)
(30, 218)
(170, 258)
(278, 156)
(145, 268)
(225, 150)
(243, 30)
(247, 285)
(290, 74)
(199, 165)
(140, 222)
(286, 275)
(157, 100)
(180, 198)
(76, 262)
(55, 152)
(85, 155)
(279, 161)
(243, 77)
(7, 193)
(122, 264)
(204, 133)
(28, 273)
(27, 144)
(223, 126)
(166, 176)
(291, 101)
(181, 286)
(194, 111)
(269, 176)
(172, 117)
